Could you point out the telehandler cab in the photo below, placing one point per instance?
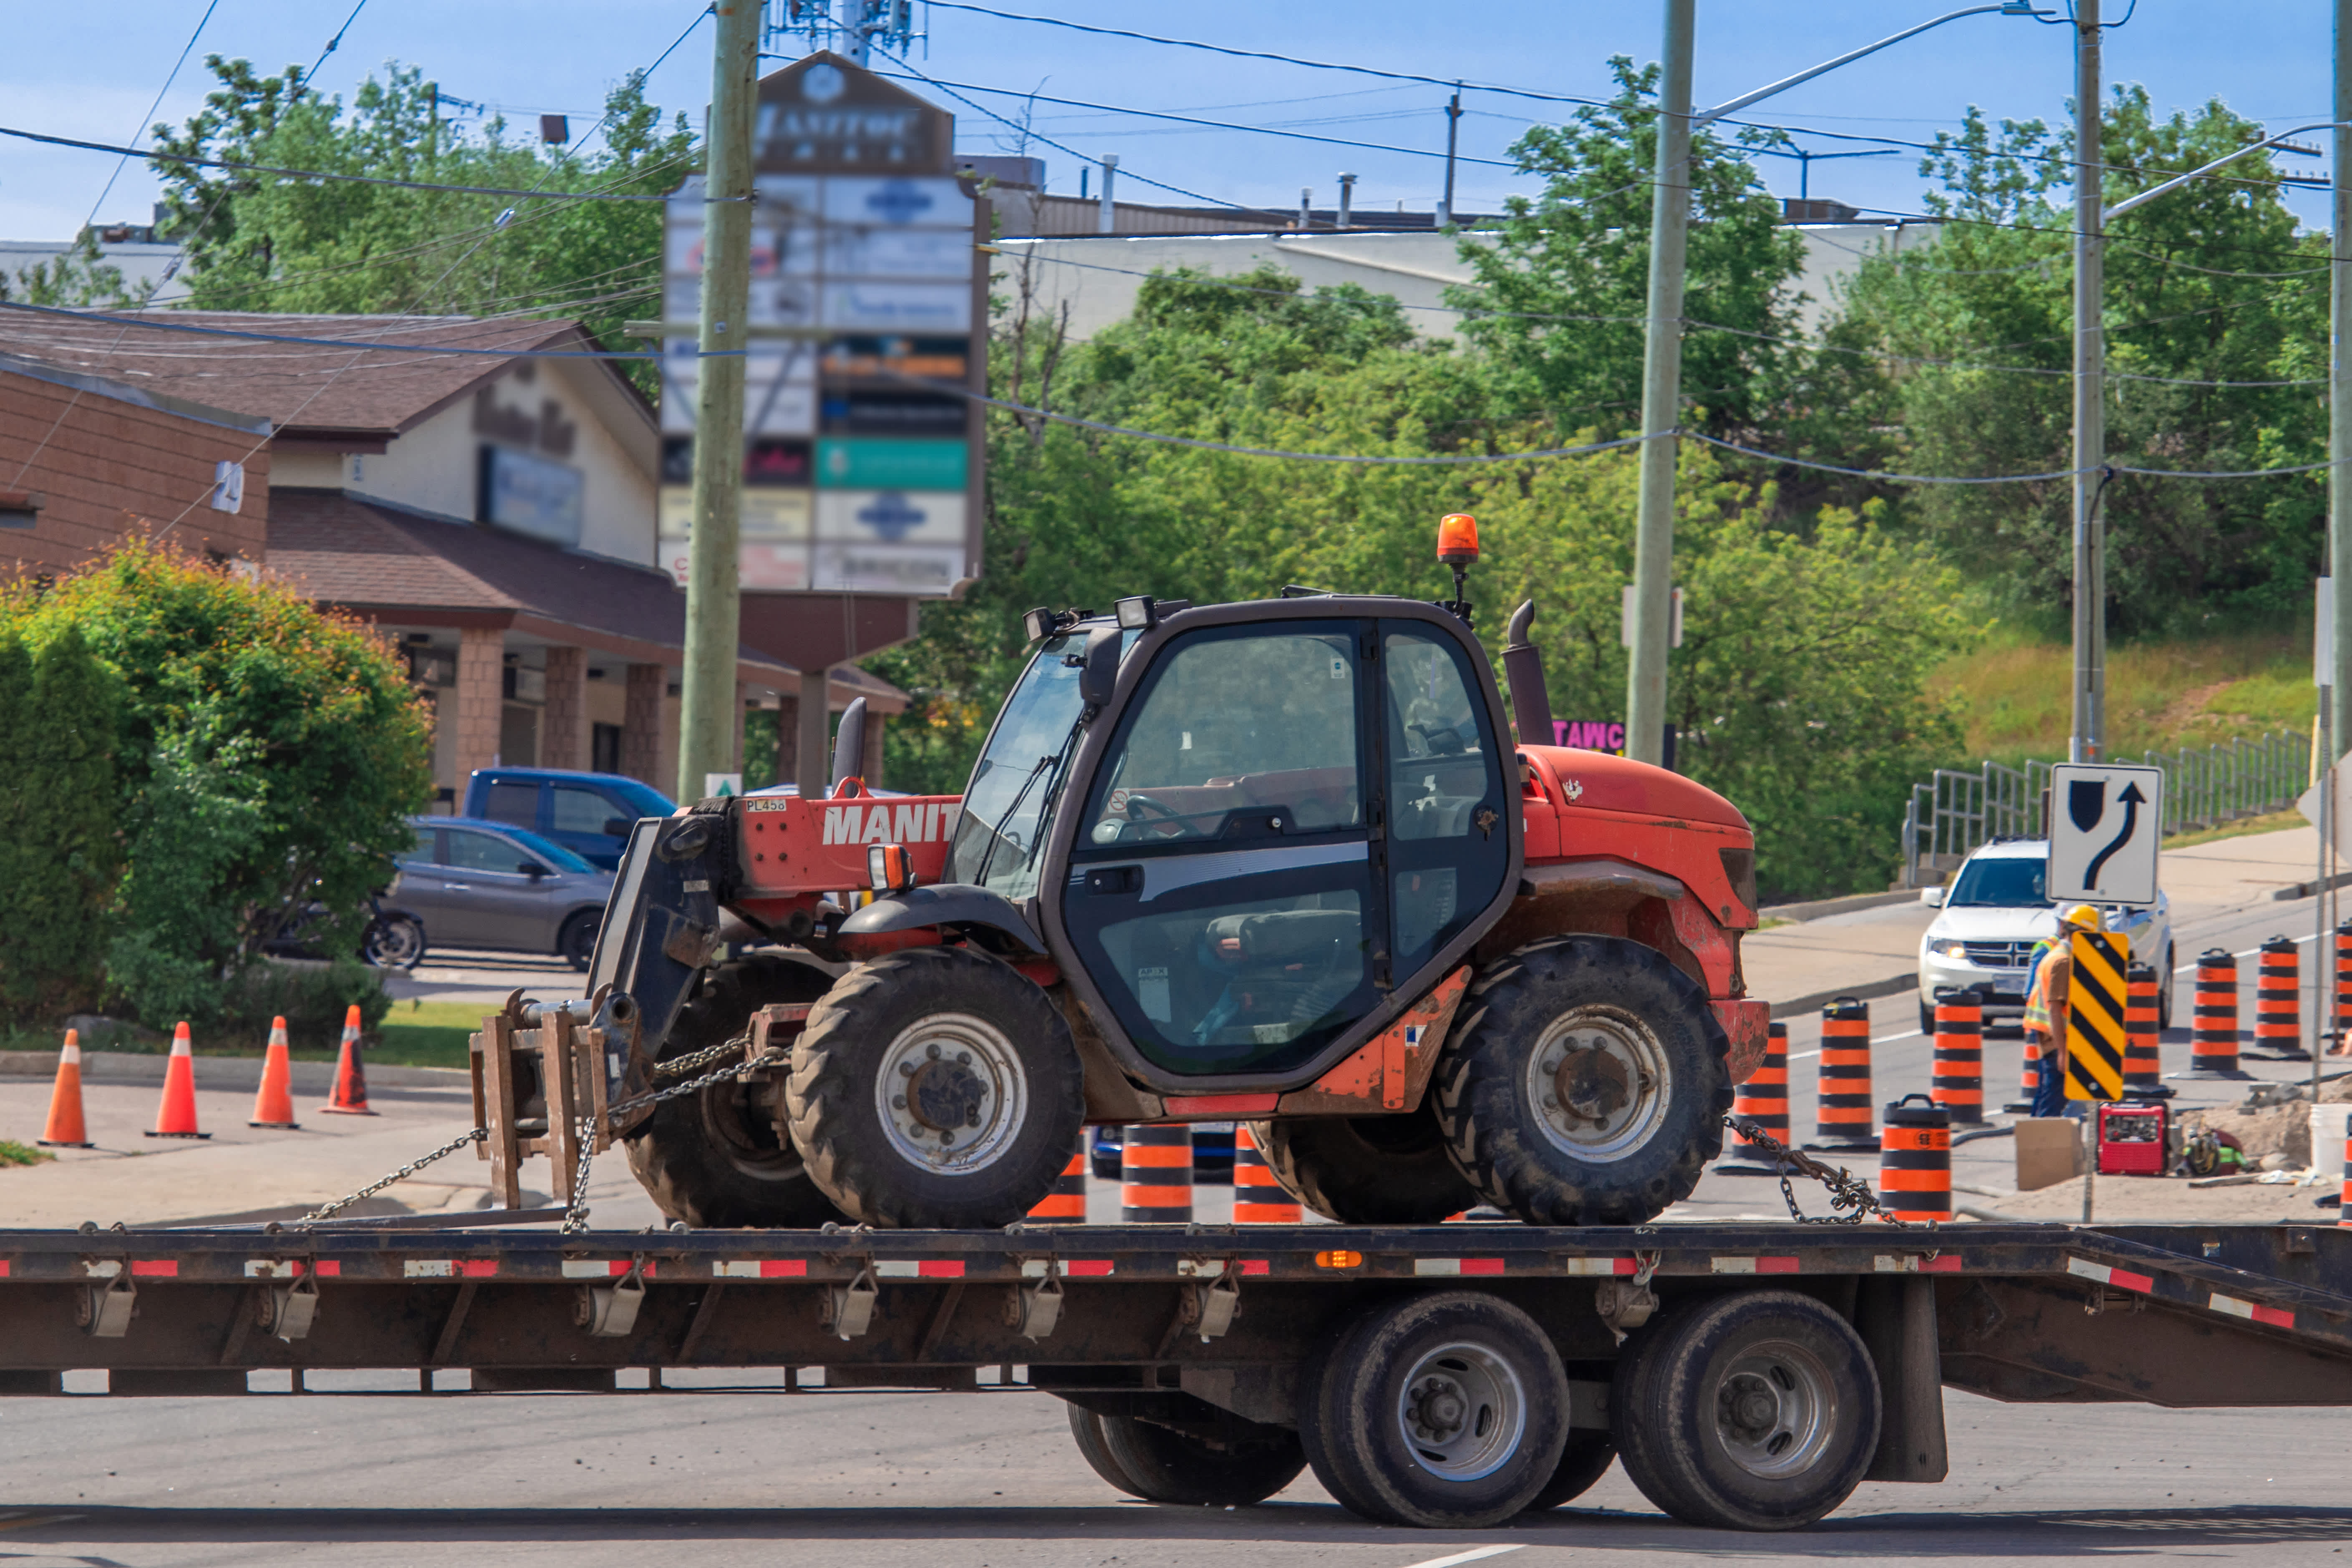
(1278, 862)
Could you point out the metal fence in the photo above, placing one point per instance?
(1953, 814)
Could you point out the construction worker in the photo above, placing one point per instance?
(2047, 1000)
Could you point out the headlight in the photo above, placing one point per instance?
(1948, 947)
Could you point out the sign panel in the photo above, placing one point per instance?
(531, 494)
(867, 297)
(2095, 1015)
(2106, 823)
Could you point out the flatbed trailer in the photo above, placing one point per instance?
(1197, 1359)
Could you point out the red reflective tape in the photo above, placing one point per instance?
(1776, 1265)
(2124, 1279)
(1482, 1266)
(4, 1268)
(1940, 1265)
(477, 1268)
(940, 1269)
(1256, 1266)
(1079, 1268)
(155, 1268)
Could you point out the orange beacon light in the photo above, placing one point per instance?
(1458, 539)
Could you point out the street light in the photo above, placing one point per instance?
(1662, 358)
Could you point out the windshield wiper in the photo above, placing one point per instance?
(996, 830)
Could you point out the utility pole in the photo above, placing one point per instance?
(1454, 124)
(2339, 377)
(1662, 374)
(710, 718)
(856, 30)
(2088, 742)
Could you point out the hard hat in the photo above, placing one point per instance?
(2082, 917)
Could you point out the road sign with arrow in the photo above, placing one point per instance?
(2104, 826)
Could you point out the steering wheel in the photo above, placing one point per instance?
(1137, 805)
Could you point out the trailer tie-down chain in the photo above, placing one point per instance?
(1850, 1198)
(575, 1217)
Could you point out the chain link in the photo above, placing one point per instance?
(575, 1217)
(1850, 1198)
(325, 1211)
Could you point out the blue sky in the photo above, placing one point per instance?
(90, 71)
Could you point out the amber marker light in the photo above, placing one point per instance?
(1341, 1259)
(1458, 539)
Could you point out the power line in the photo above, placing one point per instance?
(2009, 479)
(171, 77)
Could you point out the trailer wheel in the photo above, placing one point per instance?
(936, 1088)
(1753, 1411)
(1582, 1463)
(1366, 1170)
(1160, 1464)
(715, 1159)
(1448, 1410)
(1590, 1086)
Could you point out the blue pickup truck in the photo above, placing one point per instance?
(588, 814)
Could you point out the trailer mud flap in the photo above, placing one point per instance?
(1897, 1320)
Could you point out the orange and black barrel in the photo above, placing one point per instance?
(2344, 1215)
(1066, 1203)
(1258, 1198)
(2278, 1002)
(1958, 1082)
(2342, 1010)
(1842, 1115)
(1763, 1100)
(2143, 1053)
(1155, 1170)
(1915, 1160)
(2214, 1030)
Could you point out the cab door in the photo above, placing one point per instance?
(1444, 794)
(1222, 893)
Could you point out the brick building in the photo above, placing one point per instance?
(491, 509)
(83, 458)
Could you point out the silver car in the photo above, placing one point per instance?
(1996, 911)
(469, 883)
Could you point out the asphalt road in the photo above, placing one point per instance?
(977, 1479)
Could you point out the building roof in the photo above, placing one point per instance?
(305, 390)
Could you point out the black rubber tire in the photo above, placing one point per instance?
(831, 1094)
(1352, 1428)
(1668, 1407)
(1494, 1132)
(394, 942)
(702, 1158)
(576, 945)
(1159, 1464)
(1366, 1170)
(1582, 1463)
(1927, 1020)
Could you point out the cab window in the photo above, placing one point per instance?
(481, 852)
(1449, 844)
(515, 803)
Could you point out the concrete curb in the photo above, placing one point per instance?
(1848, 905)
(1868, 990)
(242, 1073)
(2305, 890)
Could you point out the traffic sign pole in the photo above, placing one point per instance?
(710, 716)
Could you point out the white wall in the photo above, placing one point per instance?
(1098, 275)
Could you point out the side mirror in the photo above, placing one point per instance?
(534, 869)
(619, 826)
(1932, 897)
(1099, 676)
(849, 743)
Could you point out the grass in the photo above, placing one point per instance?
(15, 1153)
(426, 1034)
(2273, 823)
(2016, 693)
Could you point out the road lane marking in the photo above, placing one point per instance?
(1472, 1556)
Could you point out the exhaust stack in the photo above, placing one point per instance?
(1523, 665)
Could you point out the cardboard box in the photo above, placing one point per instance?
(2048, 1152)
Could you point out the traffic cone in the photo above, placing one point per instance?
(66, 1129)
(2278, 1002)
(2343, 1011)
(1914, 1161)
(1958, 1084)
(175, 1117)
(350, 1098)
(1066, 1203)
(1258, 1198)
(273, 1106)
(1156, 1173)
(2213, 1036)
(1763, 1100)
(1841, 1113)
(2143, 1047)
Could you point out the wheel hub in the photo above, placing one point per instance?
(1462, 1411)
(950, 1093)
(1775, 1410)
(1599, 1083)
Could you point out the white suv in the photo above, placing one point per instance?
(1994, 912)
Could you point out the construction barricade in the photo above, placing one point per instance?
(1842, 1108)
(2143, 1040)
(1066, 1203)
(1156, 1173)
(2213, 1024)
(1915, 1160)
(2278, 1002)
(1258, 1198)
(1958, 1084)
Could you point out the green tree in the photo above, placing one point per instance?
(1566, 286)
(2209, 284)
(263, 242)
(78, 276)
(62, 857)
(267, 753)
